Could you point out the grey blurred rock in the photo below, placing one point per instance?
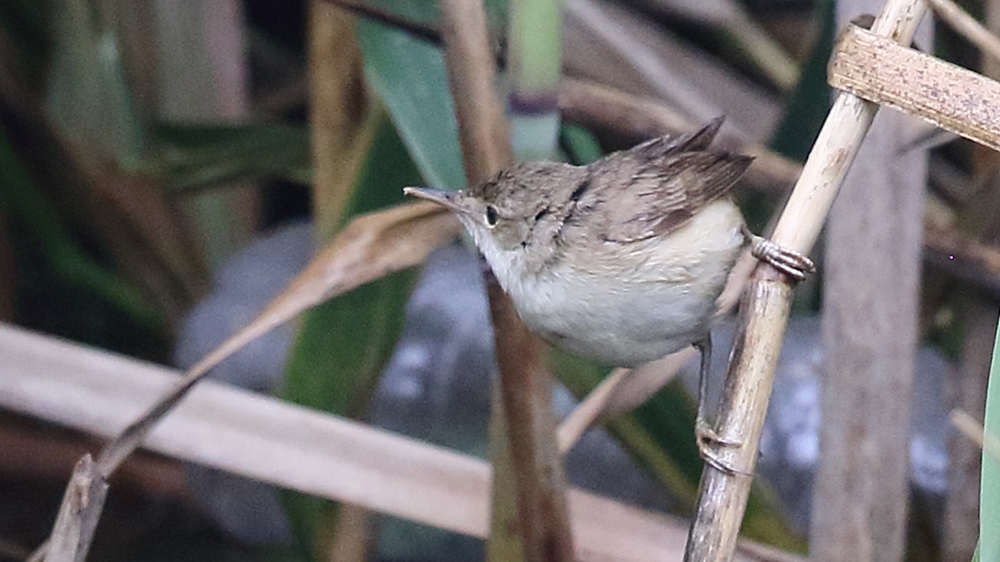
(436, 385)
(246, 509)
(241, 289)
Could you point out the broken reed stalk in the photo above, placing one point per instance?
(722, 497)
(525, 387)
(79, 514)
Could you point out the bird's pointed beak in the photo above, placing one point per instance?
(447, 199)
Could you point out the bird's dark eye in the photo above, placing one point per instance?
(491, 215)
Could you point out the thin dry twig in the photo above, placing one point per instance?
(525, 387)
(594, 405)
(973, 430)
(482, 129)
(722, 496)
(967, 26)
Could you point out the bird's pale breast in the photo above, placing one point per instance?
(626, 304)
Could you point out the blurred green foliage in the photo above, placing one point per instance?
(989, 505)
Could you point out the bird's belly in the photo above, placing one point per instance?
(625, 309)
(622, 329)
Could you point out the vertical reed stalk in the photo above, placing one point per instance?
(525, 387)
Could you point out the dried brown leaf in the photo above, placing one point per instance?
(371, 246)
(611, 44)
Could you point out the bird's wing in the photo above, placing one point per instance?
(639, 196)
(661, 147)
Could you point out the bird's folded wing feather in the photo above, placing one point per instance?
(638, 199)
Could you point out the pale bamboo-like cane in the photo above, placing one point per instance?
(722, 497)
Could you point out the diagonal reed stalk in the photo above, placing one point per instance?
(764, 314)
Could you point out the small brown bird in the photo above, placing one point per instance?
(621, 260)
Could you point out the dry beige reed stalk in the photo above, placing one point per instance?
(722, 496)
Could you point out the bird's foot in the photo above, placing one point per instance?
(791, 263)
(709, 443)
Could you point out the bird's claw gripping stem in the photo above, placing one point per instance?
(709, 443)
(708, 440)
(793, 264)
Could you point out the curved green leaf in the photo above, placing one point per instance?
(189, 156)
(28, 210)
(989, 506)
(409, 75)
